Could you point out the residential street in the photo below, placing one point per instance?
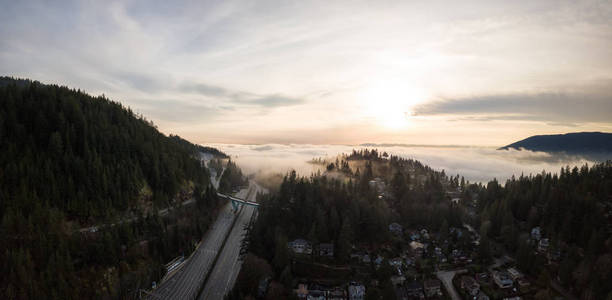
(447, 280)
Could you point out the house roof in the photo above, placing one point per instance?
(468, 280)
(326, 246)
(414, 285)
(300, 241)
(356, 290)
(431, 283)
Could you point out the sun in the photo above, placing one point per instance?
(390, 103)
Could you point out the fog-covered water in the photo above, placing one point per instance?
(479, 164)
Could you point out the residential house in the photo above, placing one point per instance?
(415, 290)
(398, 280)
(357, 256)
(262, 288)
(326, 249)
(301, 291)
(502, 279)
(543, 245)
(316, 292)
(337, 293)
(366, 259)
(536, 233)
(356, 291)
(378, 261)
(409, 261)
(469, 285)
(431, 288)
(424, 234)
(300, 246)
(455, 253)
(523, 283)
(396, 229)
(396, 262)
(514, 274)
(316, 295)
(377, 184)
(482, 277)
(553, 255)
(417, 248)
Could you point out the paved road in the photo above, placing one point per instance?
(226, 270)
(186, 282)
(447, 279)
(205, 157)
(161, 212)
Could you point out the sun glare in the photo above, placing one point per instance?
(390, 103)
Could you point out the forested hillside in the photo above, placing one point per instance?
(572, 210)
(348, 211)
(572, 143)
(232, 178)
(70, 160)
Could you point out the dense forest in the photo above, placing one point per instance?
(71, 161)
(574, 210)
(344, 210)
(342, 206)
(231, 178)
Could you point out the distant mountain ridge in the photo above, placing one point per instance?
(571, 143)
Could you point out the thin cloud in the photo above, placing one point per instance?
(553, 108)
(177, 111)
(265, 72)
(273, 101)
(206, 89)
(240, 97)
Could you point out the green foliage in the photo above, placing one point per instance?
(71, 160)
(253, 270)
(232, 178)
(571, 207)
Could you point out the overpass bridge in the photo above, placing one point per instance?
(237, 202)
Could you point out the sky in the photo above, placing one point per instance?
(483, 73)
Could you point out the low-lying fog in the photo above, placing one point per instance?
(477, 164)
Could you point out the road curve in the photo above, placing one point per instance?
(447, 280)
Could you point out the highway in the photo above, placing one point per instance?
(225, 271)
(186, 282)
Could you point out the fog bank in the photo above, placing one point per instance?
(477, 164)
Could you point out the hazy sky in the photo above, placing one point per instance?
(417, 72)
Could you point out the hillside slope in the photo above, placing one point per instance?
(70, 160)
(571, 143)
